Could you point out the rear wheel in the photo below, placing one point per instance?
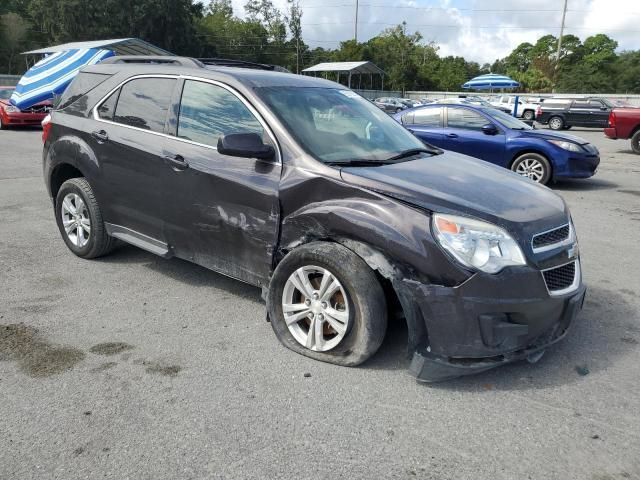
(635, 142)
(528, 115)
(556, 123)
(533, 166)
(326, 303)
(79, 220)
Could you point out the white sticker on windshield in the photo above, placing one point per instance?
(349, 93)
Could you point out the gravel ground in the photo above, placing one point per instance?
(137, 367)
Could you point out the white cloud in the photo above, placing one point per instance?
(479, 30)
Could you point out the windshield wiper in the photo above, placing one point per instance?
(413, 151)
(358, 162)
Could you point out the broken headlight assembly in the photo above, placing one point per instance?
(475, 244)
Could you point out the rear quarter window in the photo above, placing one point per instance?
(80, 86)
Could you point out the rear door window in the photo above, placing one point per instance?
(108, 107)
(143, 103)
(208, 111)
(428, 117)
(465, 118)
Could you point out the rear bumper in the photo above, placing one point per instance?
(611, 133)
(488, 321)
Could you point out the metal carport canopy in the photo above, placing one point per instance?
(349, 67)
(120, 46)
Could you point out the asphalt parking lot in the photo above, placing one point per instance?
(135, 367)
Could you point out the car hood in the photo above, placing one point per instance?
(551, 135)
(454, 183)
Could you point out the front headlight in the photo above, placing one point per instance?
(566, 145)
(475, 244)
(11, 109)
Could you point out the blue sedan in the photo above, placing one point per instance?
(494, 136)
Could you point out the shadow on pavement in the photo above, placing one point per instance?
(583, 185)
(184, 272)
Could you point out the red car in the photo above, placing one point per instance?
(10, 115)
(625, 123)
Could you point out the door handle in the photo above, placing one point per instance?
(101, 136)
(452, 135)
(177, 162)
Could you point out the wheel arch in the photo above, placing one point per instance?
(524, 151)
(61, 173)
(69, 157)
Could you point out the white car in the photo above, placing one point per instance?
(526, 110)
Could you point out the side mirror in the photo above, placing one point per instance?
(245, 145)
(489, 129)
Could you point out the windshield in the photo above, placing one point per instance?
(5, 93)
(335, 125)
(507, 120)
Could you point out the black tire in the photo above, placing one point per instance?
(99, 242)
(635, 142)
(528, 115)
(556, 123)
(398, 110)
(367, 322)
(541, 159)
(2, 125)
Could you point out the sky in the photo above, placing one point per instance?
(479, 30)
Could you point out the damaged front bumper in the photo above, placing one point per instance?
(488, 321)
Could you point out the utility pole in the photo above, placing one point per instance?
(564, 15)
(356, 33)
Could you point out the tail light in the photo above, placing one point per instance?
(612, 119)
(46, 128)
(538, 111)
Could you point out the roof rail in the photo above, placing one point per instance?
(155, 59)
(226, 62)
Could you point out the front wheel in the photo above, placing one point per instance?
(533, 166)
(398, 110)
(325, 302)
(635, 142)
(2, 125)
(556, 123)
(528, 115)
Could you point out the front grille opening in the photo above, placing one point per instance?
(551, 237)
(560, 278)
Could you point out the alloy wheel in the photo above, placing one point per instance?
(316, 308)
(531, 168)
(555, 123)
(76, 220)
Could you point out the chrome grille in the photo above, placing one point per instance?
(561, 278)
(547, 240)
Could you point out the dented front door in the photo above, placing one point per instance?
(221, 212)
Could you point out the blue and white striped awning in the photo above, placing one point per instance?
(51, 75)
(491, 80)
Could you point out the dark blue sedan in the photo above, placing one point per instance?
(494, 136)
